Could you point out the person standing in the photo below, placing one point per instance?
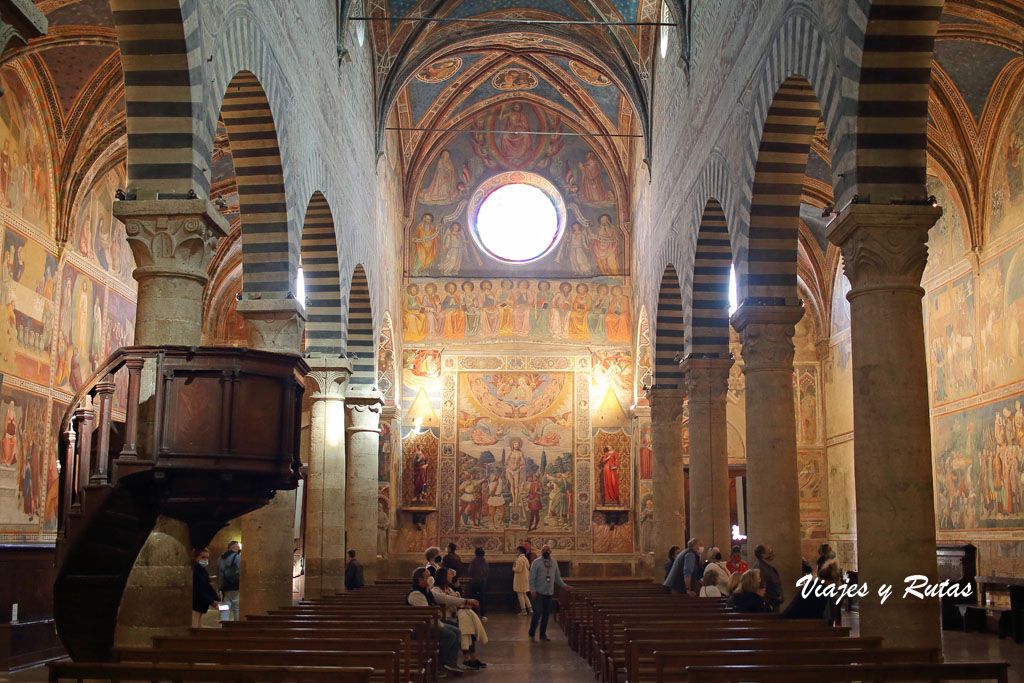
(478, 581)
(353, 573)
(229, 571)
(521, 581)
(769, 575)
(203, 595)
(672, 553)
(544, 576)
(736, 563)
(453, 561)
(686, 572)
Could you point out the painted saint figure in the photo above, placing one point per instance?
(471, 307)
(454, 317)
(522, 308)
(540, 322)
(592, 189)
(424, 241)
(419, 475)
(606, 246)
(578, 316)
(579, 250)
(515, 468)
(516, 142)
(442, 189)
(9, 451)
(619, 320)
(647, 527)
(610, 476)
(414, 321)
(454, 247)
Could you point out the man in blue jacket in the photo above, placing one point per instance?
(544, 576)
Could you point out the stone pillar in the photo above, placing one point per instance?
(325, 485)
(173, 241)
(707, 381)
(885, 254)
(773, 494)
(268, 534)
(363, 406)
(668, 485)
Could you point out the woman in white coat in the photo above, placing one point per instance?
(521, 582)
(716, 576)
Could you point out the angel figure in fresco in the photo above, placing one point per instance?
(592, 189)
(419, 475)
(424, 245)
(516, 142)
(454, 248)
(610, 476)
(606, 246)
(442, 189)
(515, 468)
(579, 250)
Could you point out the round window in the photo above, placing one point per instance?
(517, 217)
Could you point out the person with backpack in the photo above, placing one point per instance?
(229, 570)
(687, 570)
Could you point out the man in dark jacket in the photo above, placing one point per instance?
(353, 573)
(203, 595)
(478, 578)
(769, 575)
(453, 561)
(229, 571)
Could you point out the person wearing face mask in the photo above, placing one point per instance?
(433, 555)
(687, 570)
(716, 576)
(203, 594)
(830, 573)
(769, 575)
(450, 637)
(544, 576)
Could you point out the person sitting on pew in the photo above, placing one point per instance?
(203, 595)
(433, 555)
(686, 572)
(467, 621)
(450, 637)
(734, 585)
(672, 552)
(751, 596)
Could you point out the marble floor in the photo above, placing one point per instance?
(512, 658)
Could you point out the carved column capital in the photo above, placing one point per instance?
(707, 379)
(330, 373)
(766, 333)
(666, 404)
(171, 237)
(273, 324)
(364, 405)
(883, 246)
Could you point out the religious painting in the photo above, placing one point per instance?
(417, 534)
(612, 532)
(385, 451)
(645, 450)
(842, 493)
(612, 370)
(120, 326)
(98, 235)
(804, 340)
(386, 360)
(501, 310)
(28, 284)
(585, 181)
(423, 364)
(613, 470)
(646, 515)
(23, 460)
(840, 305)
(383, 519)
(50, 504)
(805, 395)
(644, 359)
(838, 372)
(419, 468)
(515, 452)
(952, 351)
(25, 176)
(439, 71)
(1001, 298)
(1006, 178)
(588, 75)
(979, 466)
(514, 78)
(80, 343)
(947, 239)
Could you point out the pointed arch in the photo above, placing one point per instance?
(269, 265)
(708, 331)
(771, 264)
(669, 331)
(322, 276)
(359, 340)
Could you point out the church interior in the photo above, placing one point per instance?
(600, 276)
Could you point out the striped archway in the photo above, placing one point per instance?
(269, 266)
(770, 274)
(359, 340)
(668, 331)
(322, 277)
(708, 332)
(159, 43)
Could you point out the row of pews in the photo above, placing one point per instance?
(631, 633)
(362, 636)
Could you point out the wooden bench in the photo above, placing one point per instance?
(798, 673)
(144, 671)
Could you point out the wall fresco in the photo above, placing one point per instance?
(1006, 179)
(80, 343)
(947, 239)
(949, 316)
(1001, 296)
(99, 236)
(28, 284)
(25, 175)
(23, 460)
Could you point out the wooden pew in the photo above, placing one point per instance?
(145, 671)
(797, 673)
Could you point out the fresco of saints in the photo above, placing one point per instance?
(424, 245)
(560, 307)
(506, 303)
(516, 143)
(560, 498)
(515, 468)
(522, 309)
(454, 246)
(9, 444)
(596, 318)
(618, 321)
(579, 251)
(419, 475)
(432, 310)
(85, 236)
(454, 317)
(592, 189)
(489, 314)
(606, 246)
(414, 322)
(442, 189)
(542, 310)
(610, 476)
(471, 307)
(496, 499)
(578, 316)
(646, 454)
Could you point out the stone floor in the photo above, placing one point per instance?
(512, 658)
